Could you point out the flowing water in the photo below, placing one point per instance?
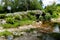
(47, 37)
(34, 36)
(39, 36)
(56, 29)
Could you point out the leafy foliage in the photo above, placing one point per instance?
(20, 5)
(18, 20)
(50, 9)
(5, 33)
(26, 22)
(10, 20)
(47, 16)
(17, 17)
(7, 25)
(53, 10)
(2, 16)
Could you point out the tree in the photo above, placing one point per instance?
(21, 5)
(7, 3)
(1, 9)
(53, 9)
(50, 8)
(41, 4)
(35, 4)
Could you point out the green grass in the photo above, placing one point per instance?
(11, 25)
(26, 22)
(5, 33)
(17, 24)
(7, 25)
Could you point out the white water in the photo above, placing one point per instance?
(47, 37)
(56, 29)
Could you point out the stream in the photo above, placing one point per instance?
(35, 35)
(39, 36)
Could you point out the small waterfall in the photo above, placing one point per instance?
(56, 29)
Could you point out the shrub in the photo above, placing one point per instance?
(31, 17)
(11, 25)
(1, 9)
(17, 17)
(31, 13)
(9, 16)
(55, 15)
(24, 17)
(1, 34)
(26, 22)
(7, 25)
(41, 18)
(17, 24)
(10, 20)
(47, 17)
(5, 33)
(2, 16)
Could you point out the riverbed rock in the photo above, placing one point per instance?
(2, 21)
(55, 20)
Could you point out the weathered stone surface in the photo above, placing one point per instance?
(2, 21)
(55, 20)
(28, 36)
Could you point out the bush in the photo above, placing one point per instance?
(2, 16)
(26, 22)
(10, 25)
(24, 17)
(1, 34)
(10, 20)
(55, 15)
(17, 17)
(5, 33)
(7, 25)
(31, 17)
(1, 9)
(9, 16)
(31, 13)
(41, 18)
(17, 24)
(47, 17)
